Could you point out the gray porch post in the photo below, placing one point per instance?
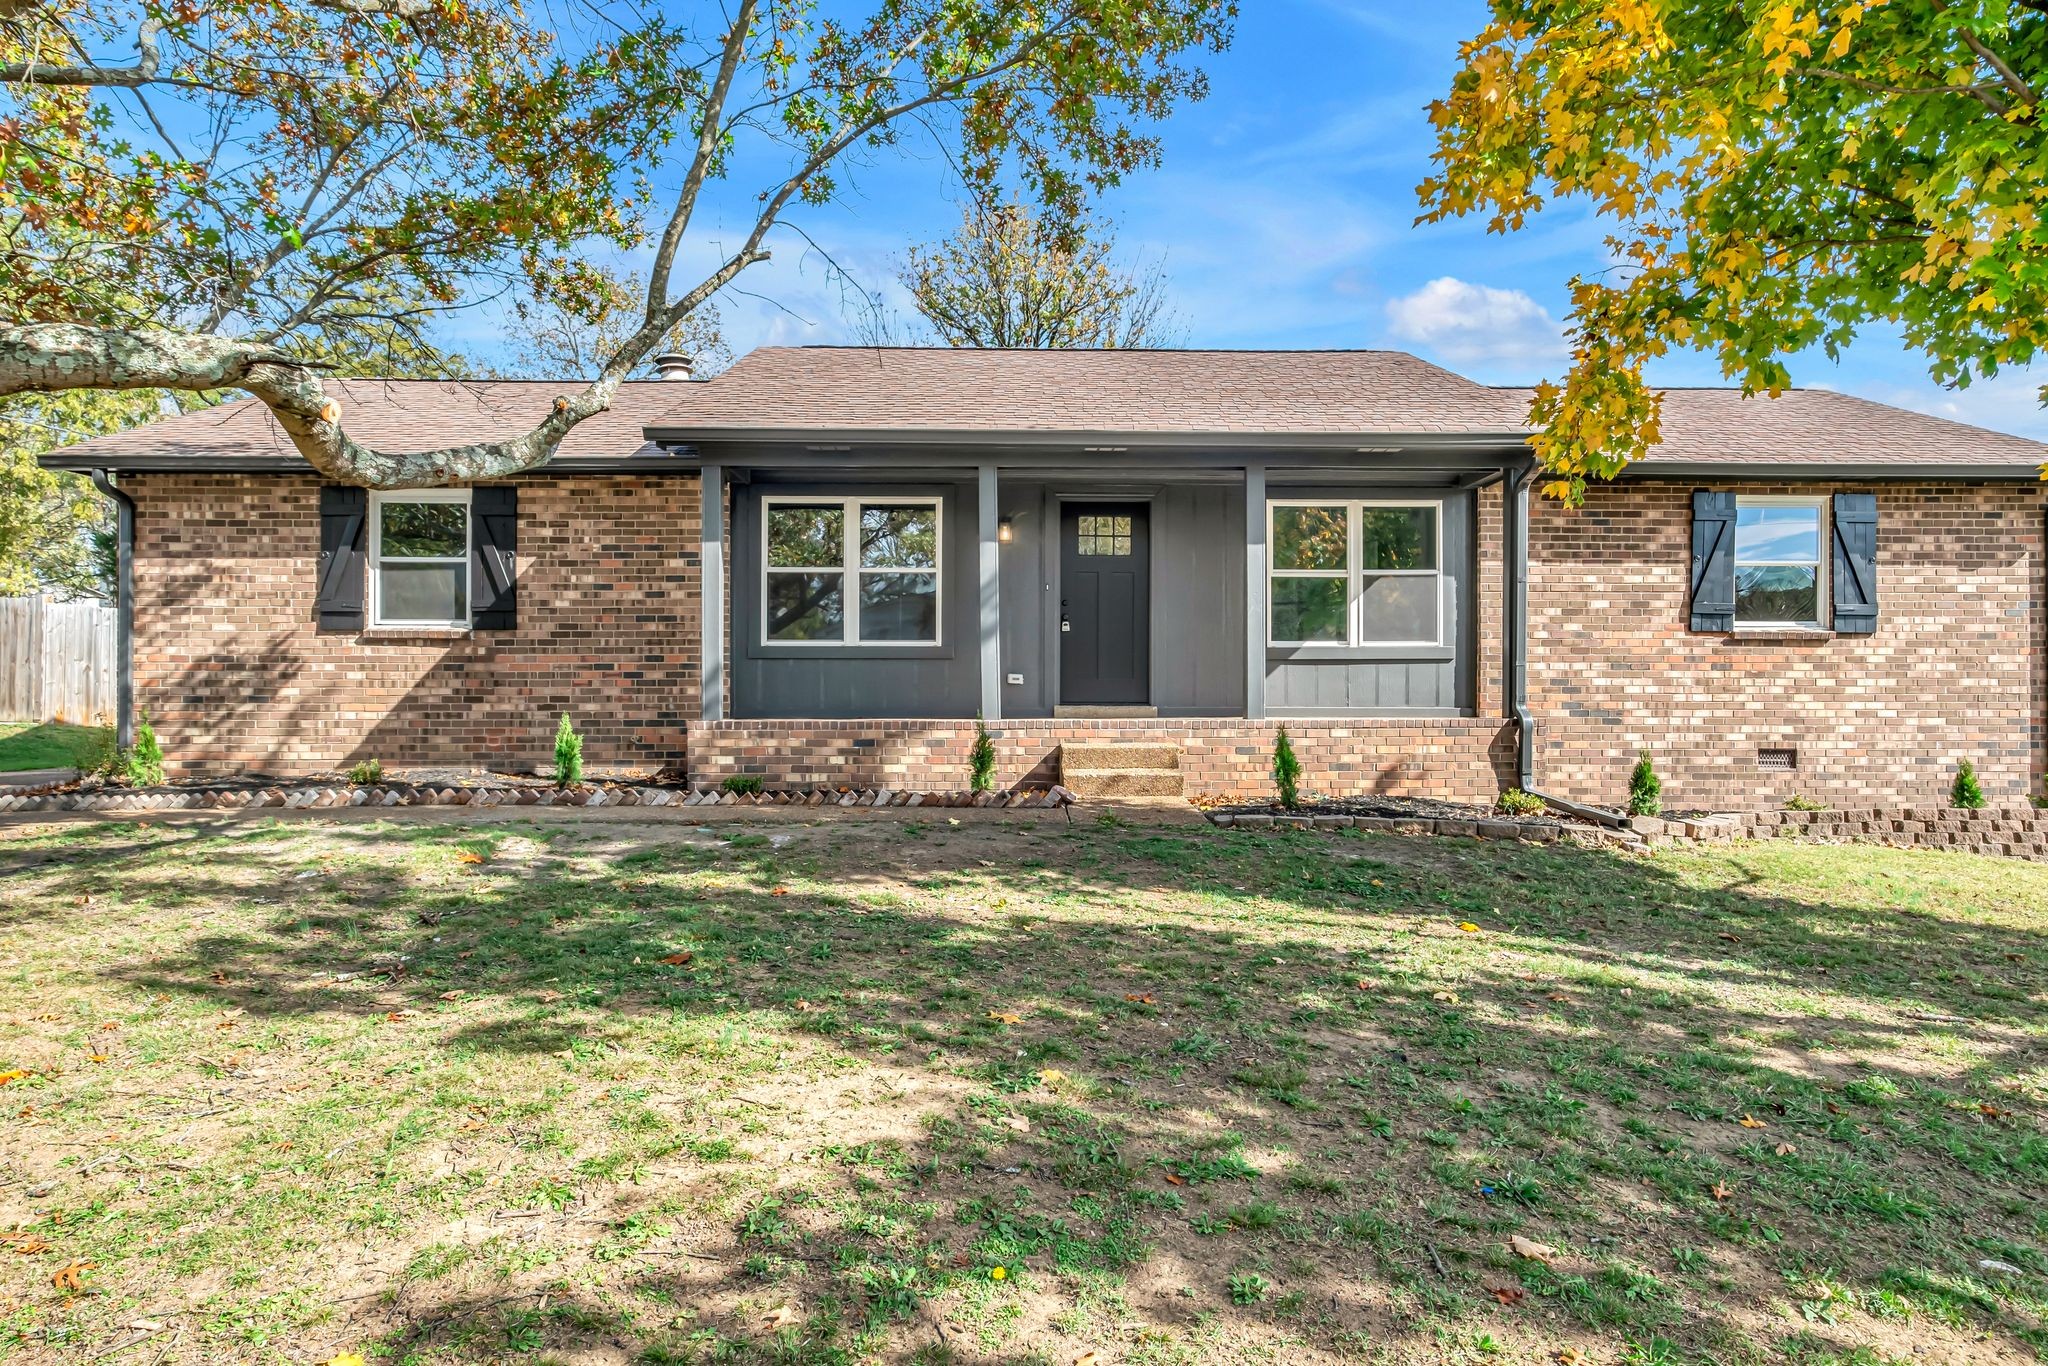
(1255, 592)
(711, 565)
(991, 614)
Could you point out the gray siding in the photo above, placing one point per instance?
(863, 681)
(1198, 630)
(1435, 681)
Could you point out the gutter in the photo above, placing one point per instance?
(124, 608)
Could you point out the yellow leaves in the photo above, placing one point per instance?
(1467, 927)
(13, 1075)
(1449, 998)
(1051, 1076)
(345, 1359)
(464, 855)
(1005, 1017)
(1751, 1122)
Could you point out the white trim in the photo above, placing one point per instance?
(1354, 571)
(1823, 600)
(376, 556)
(851, 571)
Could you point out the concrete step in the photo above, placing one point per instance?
(1103, 754)
(1122, 782)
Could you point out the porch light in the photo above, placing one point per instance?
(1004, 531)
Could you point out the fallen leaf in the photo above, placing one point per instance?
(451, 995)
(1570, 1356)
(1507, 1294)
(1088, 1358)
(1729, 937)
(1752, 1122)
(12, 1075)
(1991, 1111)
(1144, 1000)
(550, 995)
(345, 1359)
(1557, 996)
(1533, 1250)
(1173, 1179)
(220, 978)
(1051, 1075)
(1367, 984)
(25, 1242)
(781, 1316)
(1786, 1150)
(110, 1026)
(397, 1015)
(1468, 927)
(469, 856)
(1005, 1017)
(1017, 1122)
(71, 1279)
(1722, 1191)
(95, 1057)
(778, 891)
(676, 960)
(1447, 997)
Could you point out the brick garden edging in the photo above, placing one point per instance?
(323, 796)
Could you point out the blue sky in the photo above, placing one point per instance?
(1284, 218)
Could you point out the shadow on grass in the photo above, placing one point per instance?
(1414, 1093)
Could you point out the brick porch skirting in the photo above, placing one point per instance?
(1466, 759)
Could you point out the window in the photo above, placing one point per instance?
(1355, 573)
(419, 558)
(1780, 573)
(1103, 535)
(845, 571)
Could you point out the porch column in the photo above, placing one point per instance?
(711, 568)
(991, 599)
(1255, 592)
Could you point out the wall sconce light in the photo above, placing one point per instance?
(1005, 532)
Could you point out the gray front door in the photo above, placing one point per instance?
(1105, 604)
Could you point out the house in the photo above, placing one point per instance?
(821, 565)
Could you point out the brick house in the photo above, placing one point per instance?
(1138, 561)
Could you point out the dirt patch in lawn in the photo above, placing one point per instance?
(920, 1091)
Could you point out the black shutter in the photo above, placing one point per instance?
(1855, 568)
(493, 543)
(338, 603)
(1713, 561)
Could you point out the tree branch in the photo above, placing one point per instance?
(708, 139)
(144, 72)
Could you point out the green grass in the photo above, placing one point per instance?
(842, 1093)
(52, 744)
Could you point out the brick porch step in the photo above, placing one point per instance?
(1109, 755)
(1122, 782)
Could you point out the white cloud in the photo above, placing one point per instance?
(1461, 323)
(2009, 403)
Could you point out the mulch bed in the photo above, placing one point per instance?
(1378, 807)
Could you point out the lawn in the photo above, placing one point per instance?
(52, 744)
(591, 1091)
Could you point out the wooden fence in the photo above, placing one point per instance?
(56, 661)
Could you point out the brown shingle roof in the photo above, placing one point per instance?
(391, 414)
(856, 389)
(1819, 427)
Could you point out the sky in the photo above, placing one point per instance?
(1283, 216)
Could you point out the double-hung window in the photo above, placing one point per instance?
(1355, 572)
(850, 571)
(1780, 567)
(419, 558)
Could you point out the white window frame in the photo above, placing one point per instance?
(1354, 570)
(850, 569)
(375, 557)
(1823, 598)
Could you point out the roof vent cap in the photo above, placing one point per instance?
(674, 365)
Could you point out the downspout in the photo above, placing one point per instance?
(1515, 643)
(124, 608)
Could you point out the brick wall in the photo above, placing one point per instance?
(1458, 759)
(1955, 669)
(236, 677)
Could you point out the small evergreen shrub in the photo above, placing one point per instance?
(1645, 792)
(1795, 802)
(568, 754)
(366, 772)
(1965, 792)
(981, 761)
(142, 763)
(743, 784)
(1286, 770)
(1515, 802)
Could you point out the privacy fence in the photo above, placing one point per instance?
(56, 661)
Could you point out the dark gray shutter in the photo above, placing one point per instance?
(338, 602)
(1855, 568)
(1713, 561)
(493, 543)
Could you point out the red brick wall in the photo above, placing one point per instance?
(1955, 669)
(1458, 759)
(236, 677)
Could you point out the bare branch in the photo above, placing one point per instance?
(144, 72)
(708, 139)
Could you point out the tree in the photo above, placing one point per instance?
(571, 336)
(1012, 277)
(55, 529)
(1779, 175)
(260, 167)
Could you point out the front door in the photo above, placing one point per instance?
(1105, 604)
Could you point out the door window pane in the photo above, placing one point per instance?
(423, 592)
(1310, 538)
(1777, 593)
(1309, 609)
(1102, 535)
(806, 606)
(899, 607)
(899, 537)
(1397, 538)
(424, 530)
(1397, 608)
(806, 536)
